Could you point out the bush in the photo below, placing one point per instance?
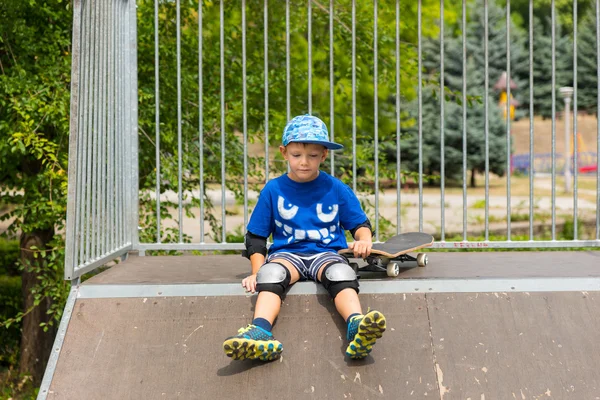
(10, 305)
(9, 254)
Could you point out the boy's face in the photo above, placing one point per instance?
(305, 160)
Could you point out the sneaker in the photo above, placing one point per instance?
(252, 342)
(363, 332)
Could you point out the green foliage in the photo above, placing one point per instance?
(10, 306)
(542, 68)
(35, 65)
(14, 386)
(9, 255)
(587, 64)
(543, 10)
(452, 98)
(204, 114)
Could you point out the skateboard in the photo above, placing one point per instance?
(387, 256)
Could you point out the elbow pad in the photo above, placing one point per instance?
(254, 244)
(366, 224)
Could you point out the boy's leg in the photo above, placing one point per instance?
(362, 330)
(254, 341)
(268, 304)
(346, 301)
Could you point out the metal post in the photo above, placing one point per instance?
(566, 93)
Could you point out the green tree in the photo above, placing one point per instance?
(542, 9)
(542, 68)
(452, 97)
(587, 65)
(277, 107)
(497, 53)
(35, 69)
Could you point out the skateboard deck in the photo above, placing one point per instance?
(386, 256)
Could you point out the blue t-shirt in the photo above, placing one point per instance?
(308, 217)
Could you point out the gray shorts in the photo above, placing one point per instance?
(308, 265)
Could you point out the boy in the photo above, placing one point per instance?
(306, 211)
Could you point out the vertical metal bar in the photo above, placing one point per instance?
(114, 126)
(126, 127)
(111, 77)
(354, 94)
(598, 120)
(531, 124)
(244, 112)
(122, 128)
(127, 138)
(464, 114)
(486, 121)
(376, 116)
(287, 59)
(398, 136)
(103, 225)
(74, 176)
(96, 136)
(309, 40)
(201, 117)
(575, 139)
(120, 144)
(508, 152)
(420, 96)
(442, 126)
(157, 116)
(90, 134)
(266, 69)
(222, 62)
(179, 133)
(553, 12)
(117, 125)
(84, 73)
(331, 87)
(133, 174)
(119, 133)
(111, 129)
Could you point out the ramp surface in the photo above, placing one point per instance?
(487, 345)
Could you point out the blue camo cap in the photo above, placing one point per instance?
(308, 129)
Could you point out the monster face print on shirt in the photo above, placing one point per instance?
(290, 216)
(308, 217)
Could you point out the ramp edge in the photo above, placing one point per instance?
(478, 285)
(58, 343)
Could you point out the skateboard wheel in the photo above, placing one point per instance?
(422, 259)
(393, 269)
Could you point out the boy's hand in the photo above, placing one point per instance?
(249, 283)
(362, 248)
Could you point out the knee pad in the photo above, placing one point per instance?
(337, 277)
(273, 277)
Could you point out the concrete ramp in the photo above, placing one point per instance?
(143, 341)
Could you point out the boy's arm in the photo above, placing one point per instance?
(362, 242)
(256, 250)
(249, 282)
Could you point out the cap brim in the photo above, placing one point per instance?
(328, 145)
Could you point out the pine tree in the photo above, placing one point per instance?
(587, 78)
(542, 68)
(496, 52)
(453, 122)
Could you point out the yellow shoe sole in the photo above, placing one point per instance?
(249, 349)
(370, 329)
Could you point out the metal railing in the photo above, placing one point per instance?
(103, 185)
(102, 194)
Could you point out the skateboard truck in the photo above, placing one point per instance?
(391, 265)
